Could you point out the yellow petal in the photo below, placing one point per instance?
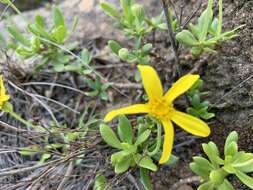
(181, 86)
(4, 98)
(134, 109)
(190, 124)
(2, 88)
(168, 141)
(151, 82)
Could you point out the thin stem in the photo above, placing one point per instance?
(220, 18)
(158, 141)
(171, 35)
(11, 4)
(15, 8)
(191, 16)
(19, 118)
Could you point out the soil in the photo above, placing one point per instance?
(228, 76)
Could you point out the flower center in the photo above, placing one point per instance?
(161, 109)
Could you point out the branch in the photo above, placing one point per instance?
(171, 36)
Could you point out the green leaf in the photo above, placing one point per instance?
(203, 163)
(226, 185)
(43, 158)
(5, 1)
(243, 161)
(86, 56)
(129, 148)
(232, 137)
(196, 51)
(209, 50)
(205, 21)
(137, 76)
(59, 34)
(231, 149)
(145, 179)
(114, 46)
(39, 31)
(212, 152)
(207, 116)
(35, 43)
(109, 136)
(206, 186)
(18, 36)
(29, 151)
(123, 54)
(25, 52)
(247, 180)
(58, 17)
(92, 93)
(125, 129)
(118, 156)
(72, 136)
(229, 168)
(58, 67)
(214, 27)
(138, 12)
(202, 172)
(110, 10)
(145, 162)
(217, 176)
(195, 30)
(40, 21)
(100, 182)
(147, 48)
(73, 67)
(187, 38)
(142, 137)
(7, 107)
(173, 160)
(53, 146)
(104, 96)
(196, 100)
(126, 6)
(193, 112)
(122, 166)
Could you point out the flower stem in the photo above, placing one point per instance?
(158, 141)
(19, 118)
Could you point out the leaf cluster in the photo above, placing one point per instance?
(131, 150)
(215, 170)
(136, 25)
(131, 20)
(207, 33)
(198, 107)
(138, 55)
(98, 88)
(44, 41)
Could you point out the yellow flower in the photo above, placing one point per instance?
(3, 97)
(161, 107)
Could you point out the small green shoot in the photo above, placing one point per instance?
(98, 88)
(198, 107)
(44, 41)
(207, 33)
